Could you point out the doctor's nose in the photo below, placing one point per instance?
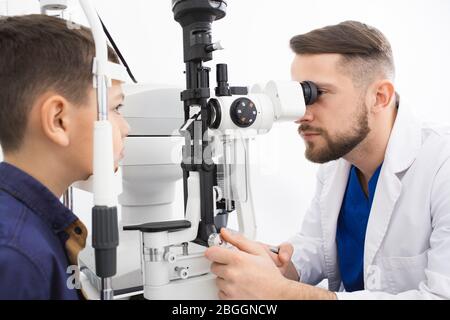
(307, 117)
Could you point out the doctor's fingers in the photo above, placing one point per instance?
(222, 255)
(285, 252)
(275, 258)
(222, 295)
(242, 243)
(225, 289)
(224, 271)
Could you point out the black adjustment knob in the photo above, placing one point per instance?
(243, 112)
(310, 92)
(222, 89)
(222, 72)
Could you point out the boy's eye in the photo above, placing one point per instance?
(117, 109)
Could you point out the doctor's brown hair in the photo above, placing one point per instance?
(364, 49)
(38, 54)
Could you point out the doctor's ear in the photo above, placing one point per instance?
(382, 95)
(55, 119)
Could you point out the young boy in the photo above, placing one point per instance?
(47, 112)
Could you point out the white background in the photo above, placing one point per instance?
(256, 36)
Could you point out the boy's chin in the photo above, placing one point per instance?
(117, 165)
(88, 175)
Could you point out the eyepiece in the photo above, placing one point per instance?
(310, 92)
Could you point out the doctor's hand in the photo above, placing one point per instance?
(283, 260)
(246, 271)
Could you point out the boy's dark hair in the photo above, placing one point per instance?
(365, 50)
(39, 53)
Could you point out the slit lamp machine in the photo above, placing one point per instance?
(199, 134)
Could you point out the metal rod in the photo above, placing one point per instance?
(227, 192)
(185, 248)
(102, 98)
(107, 292)
(68, 198)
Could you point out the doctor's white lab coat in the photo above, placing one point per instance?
(407, 245)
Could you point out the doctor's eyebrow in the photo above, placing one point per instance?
(325, 85)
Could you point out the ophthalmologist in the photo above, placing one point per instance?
(378, 226)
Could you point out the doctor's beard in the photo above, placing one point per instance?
(338, 146)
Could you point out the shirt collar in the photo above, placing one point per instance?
(405, 141)
(35, 196)
(372, 184)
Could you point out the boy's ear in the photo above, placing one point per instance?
(55, 119)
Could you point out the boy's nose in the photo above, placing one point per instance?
(126, 128)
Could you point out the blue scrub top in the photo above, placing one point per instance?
(351, 230)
